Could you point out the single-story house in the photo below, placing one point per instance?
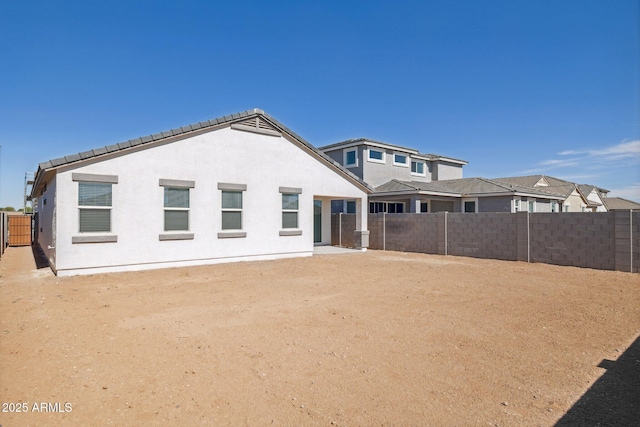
(240, 187)
(620, 204)
(574, 199)
(471, 195)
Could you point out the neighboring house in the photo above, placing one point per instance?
(240, 187)
(620, 204)
(470, 195)
(595, 197)
(574, 199)
(377, 162)
(407, 181)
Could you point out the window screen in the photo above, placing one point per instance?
(93, 194)
(95, 220)
(98, 196)
(232, 210)
(176, 212)
(290, 211)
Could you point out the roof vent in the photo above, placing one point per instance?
(256, 124)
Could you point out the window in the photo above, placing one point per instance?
(289, 210)
(516, 205)
(554, 207)
(231, 210)
(94, 202)
(176, 209)
(388, 207)
(351, 207)
(417, 168)
(566, 207)
(376, 156)
(351, 158)
(470, 207)
(532, 205)
(400, 159)
(424, 207)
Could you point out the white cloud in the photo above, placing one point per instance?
(558, 163)
(632, 192)
(628, 151)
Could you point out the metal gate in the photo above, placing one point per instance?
(19, 230)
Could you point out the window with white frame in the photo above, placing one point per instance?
(289, 210)
(94, 203)
(567, 206)
(377, 156)
(176, 209)
(231, 210)
(400, 159)
(417, 168)
(516, 205)
(554, 206)
(351, 158)
(470, 206)
(532, 205)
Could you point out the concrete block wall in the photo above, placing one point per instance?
(576, 239)
(602, 240)
(408, 233)
(482, 235)
(347, 237)
(626, 236)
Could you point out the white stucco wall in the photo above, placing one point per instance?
(46, 212)
(595, 197)
(262, 163)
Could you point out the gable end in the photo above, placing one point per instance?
(257, 125)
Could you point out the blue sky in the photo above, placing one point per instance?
(515, 87)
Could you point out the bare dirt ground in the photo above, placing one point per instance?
(363, 339)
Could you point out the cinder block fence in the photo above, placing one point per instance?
(606, 240)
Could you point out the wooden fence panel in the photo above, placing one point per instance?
(19, 230)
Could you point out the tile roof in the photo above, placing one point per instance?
(429, 156)
(185, 130)
(618, 203)
(464, 187)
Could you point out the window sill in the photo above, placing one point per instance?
(94, 239)
(176, 236)
(377, 161)
(232, 234)
(291, 232)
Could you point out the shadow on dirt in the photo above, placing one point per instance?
(614, 399)
(39, 257)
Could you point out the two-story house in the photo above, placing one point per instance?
(407, 181)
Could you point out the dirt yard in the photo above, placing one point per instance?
(362, 339)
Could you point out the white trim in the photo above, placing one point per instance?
(424, 168)
(328, 149)
(516, 206)
(469, 199)
(384, 156)
(344, 160)
(406, 159)
(529, 202)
